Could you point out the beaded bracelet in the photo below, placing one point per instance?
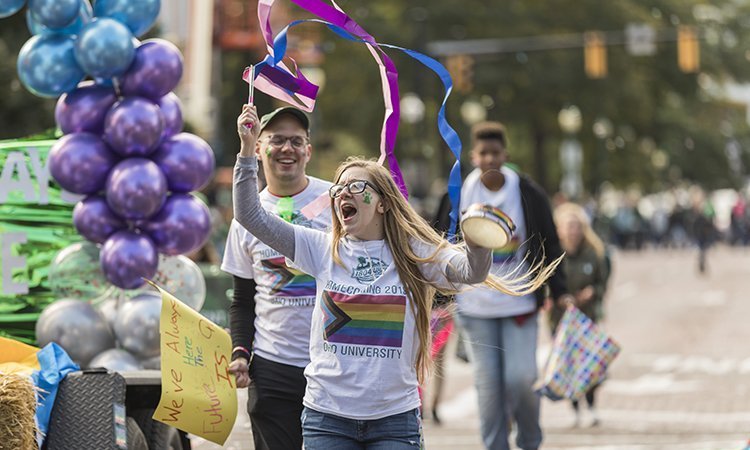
(243, 350)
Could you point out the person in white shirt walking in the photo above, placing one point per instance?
(501, 329)
(376, 272)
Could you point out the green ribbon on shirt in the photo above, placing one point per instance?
(285, 208)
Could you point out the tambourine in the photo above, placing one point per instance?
(487, 226)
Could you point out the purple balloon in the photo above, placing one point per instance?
(156, 70)
(126, 257)
(186, 160)
(80, 162)
(136, 189)
(171, 110)
(182, 226)
(94, 220)
(84, 108)
(133, 127)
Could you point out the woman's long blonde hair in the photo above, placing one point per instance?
(402, 225)
(576, 211)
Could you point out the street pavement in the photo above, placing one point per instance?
(682, 380)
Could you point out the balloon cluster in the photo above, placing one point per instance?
(122, 146)
(89, 334)
(99, 325)
(76, 273)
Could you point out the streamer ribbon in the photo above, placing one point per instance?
(274, 78)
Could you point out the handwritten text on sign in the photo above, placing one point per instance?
(198, 393)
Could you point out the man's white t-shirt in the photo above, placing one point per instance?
(285, 296)
(364, 341)
(485, 302)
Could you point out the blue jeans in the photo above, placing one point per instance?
(322, 431)
(503, 355)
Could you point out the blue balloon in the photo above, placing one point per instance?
(85, 14)
(110, 81)
(10, 7)
(47, 65)
(104, 48)
(138, 15)
(54, 14)
(106, 82)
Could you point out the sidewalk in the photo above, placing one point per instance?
(682, 380)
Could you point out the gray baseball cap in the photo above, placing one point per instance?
(297, 113)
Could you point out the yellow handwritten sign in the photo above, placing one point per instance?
(198, 394)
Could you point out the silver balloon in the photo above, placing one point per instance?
(115, 359)
(179, 276)
(77, 327)
(108, 308)
(76, 273)
(137, 325)
(152, 363)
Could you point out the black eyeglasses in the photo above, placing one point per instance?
(278, 141)
(354, 187)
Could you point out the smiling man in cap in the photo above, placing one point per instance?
(272, 303)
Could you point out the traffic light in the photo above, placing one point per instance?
(688, 49)
(595, 54)
(461, 68)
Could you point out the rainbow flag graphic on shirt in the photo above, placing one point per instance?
(363, 319)
(503, 254)
(288, 282)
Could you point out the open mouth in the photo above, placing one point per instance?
(286, 161)
(348, 211)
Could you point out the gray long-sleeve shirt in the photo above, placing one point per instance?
(471, 267)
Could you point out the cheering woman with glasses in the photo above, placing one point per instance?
(376, 272)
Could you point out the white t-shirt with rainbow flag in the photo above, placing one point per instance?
(285, 296)
(364, 343)
(482, 301)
